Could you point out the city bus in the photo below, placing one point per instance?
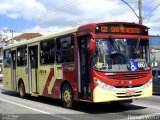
(96, 62)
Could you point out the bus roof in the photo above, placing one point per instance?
(133, 23)
(45, 37)
(64, 32)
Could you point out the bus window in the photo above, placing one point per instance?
(7, 58)
(47, 52)
(22, 56)
(64, 51)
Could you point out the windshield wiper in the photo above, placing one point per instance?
(136, 50)
(115, 45)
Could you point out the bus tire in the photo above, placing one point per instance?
(67, 96)
(21, 90)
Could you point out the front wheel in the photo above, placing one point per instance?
(67, 96)
(21, 90)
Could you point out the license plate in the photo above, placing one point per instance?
(130, 93)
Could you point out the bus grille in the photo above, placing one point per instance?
(127, 76)
(133, 86)
(129, 96)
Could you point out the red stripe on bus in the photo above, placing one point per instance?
(51, 74)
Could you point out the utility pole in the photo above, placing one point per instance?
(140, 11)
(11, 31)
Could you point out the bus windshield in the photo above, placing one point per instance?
(116, 55)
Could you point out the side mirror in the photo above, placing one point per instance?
(92, 44)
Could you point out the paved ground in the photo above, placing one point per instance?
(40, 108)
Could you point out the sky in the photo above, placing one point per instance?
(155, 41)
(45, 16)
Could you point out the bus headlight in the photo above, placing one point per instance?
(102, 84)
(147, 84)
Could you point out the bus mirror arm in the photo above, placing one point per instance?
(92, 44)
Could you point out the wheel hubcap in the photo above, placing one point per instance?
(67, 96)
(21, 90)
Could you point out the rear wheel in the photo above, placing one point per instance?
(22, 90)
(67, 96)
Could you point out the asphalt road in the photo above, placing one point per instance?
(40, 108)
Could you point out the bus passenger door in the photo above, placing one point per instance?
(84, 66)
(33, 69)
(13, 70)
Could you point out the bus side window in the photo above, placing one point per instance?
(65, 51)
(22, 56)
(47, 52)
(7, 58)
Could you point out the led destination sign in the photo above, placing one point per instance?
(124, 29)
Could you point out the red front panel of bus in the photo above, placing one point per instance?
(122, 79)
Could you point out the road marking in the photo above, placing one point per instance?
(1, 85)
(35, 109)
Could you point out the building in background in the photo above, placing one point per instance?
(26, 36)
(3, 40)
(155, 51)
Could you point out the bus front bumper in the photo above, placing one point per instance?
(103, 95)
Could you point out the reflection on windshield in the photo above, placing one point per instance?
(121, 55)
